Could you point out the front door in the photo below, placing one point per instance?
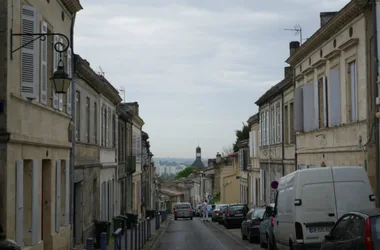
(78, 215)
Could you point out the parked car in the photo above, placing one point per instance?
(234, 214)
(219, 217)
(209, 210)
(183, 210)
(199, 211)
(216, 212)
(266, 228)
(250, 225)
(355, 231)
(309, 202)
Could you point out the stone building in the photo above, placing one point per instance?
(276, 153)
(255, 191)
(137, 124)
(109, 100)
(34, 124)
(244, 167)
(126, 162)
(146, 173)
(333, 94)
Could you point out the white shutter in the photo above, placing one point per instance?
(262, 185)
(58, 196)
(44, 65)
(67, 193)
(29, 54)
(254, 149)
(69, 91)
(60, 96)
(251, 143)
(325, 102)
(36, 221)
(107, 127)
(55, 65)
(20, 202)
(316, 106)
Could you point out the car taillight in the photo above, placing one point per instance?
(191, 210)
(175, 211)
(228, 212)
(272, 221)
(367, 235)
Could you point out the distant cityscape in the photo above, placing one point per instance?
(171, 166)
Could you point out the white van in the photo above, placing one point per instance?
(310, 201)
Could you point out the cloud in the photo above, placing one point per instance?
(195, 67)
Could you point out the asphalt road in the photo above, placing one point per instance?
(195, 234)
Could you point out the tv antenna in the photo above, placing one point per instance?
(122, 89)
(297, 31)
(101, 72)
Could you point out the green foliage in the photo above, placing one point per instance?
(167, 177)
(186, 172)
(242, 134)
(215, 198)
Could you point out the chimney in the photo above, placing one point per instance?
(293, 46)
(326, 16)
(218, 158)
(288, 71)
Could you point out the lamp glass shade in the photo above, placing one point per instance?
(61, 80)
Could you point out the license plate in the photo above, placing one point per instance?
(238, 214)
(319, 229)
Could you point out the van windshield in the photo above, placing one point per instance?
(183, 206)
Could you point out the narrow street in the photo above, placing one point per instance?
(195, 234)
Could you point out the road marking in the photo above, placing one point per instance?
(226, 233)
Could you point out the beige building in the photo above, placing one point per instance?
(254, 174)
(34, 124)
(229, 181)
(276, 153)
(333, 97)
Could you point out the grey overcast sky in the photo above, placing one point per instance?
(196, 67)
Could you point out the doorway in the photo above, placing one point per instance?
(78, 213)
(46, 200)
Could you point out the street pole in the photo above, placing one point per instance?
(375, 11)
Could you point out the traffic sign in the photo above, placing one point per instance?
(209, 197)
(274, 185)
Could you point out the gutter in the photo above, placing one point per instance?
(73, 119)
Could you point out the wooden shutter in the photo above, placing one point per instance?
(298, 110)
(354, 89)
(67, 193)
(44, 80)
(316, 105)
(60, 96)
(325, 103)
(334, 98)
(58, 196)
(20, 202)
(35, 203)
(107, 127)
(308, 107)
(69, 91)
(55, 65)
(29, 54)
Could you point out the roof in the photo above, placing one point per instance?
(275, 90)
(198, 163)
(171, 192)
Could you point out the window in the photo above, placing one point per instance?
(351, 88)
(267, 127)
(103, 120)
(308, 107)
(114, 130)
(278, 123)
(322, 103)
(272, 134)
(95, 123)
(87, 119)
(262, 128)
(334, 97)
(286, 125)
(109, 128)
(291, 122)
(77, 116)
(340, 228)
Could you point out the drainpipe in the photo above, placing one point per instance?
(294, 122)
(375, 75)
(282, 132)
(269, 152)
(73, 119)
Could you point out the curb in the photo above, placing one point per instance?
(161, 234)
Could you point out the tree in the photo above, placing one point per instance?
(241, 135)
(185, 172)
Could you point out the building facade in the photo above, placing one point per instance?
(254, 182)
(333, 95)
(34, 124)
(276, 154)
(109, 100)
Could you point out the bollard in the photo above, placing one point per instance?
(136, 237)
(90, 244)
(103, 241)
(131, 248)
(126, 237)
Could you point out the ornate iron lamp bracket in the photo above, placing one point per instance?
(59, 46)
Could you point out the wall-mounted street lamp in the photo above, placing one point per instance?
(60, 78)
